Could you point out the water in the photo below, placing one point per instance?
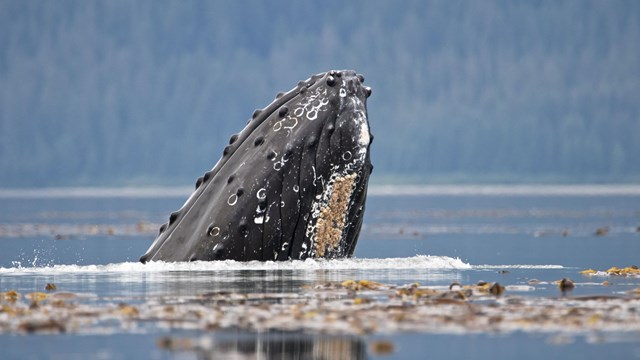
(87, 242)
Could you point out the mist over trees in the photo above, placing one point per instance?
(148, 92)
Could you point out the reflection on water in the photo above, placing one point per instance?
(271, 345)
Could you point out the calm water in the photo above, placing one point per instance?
(89, 244)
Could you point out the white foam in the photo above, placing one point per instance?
(415, 262)
(518, 266)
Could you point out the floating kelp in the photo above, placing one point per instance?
(347, 307)
(632, 270)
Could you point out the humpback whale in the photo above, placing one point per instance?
(291, 185)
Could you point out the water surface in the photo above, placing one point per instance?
(87, 243)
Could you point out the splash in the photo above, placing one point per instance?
(414, 262)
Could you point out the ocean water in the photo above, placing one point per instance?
(87, 242)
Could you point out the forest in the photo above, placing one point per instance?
(112, 93)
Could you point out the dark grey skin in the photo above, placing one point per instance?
(291, 185)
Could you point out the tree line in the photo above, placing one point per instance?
(148, 92)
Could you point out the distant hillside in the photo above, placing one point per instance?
(148, 92)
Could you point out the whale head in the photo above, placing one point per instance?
(291, 185)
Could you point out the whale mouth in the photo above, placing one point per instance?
(291, 185)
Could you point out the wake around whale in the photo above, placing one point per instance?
(291, 185)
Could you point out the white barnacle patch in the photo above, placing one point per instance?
(278, 165)
(274, 154)
(347, 155)
(296, 188)
(262, 214)
(312, 105)
(292, 123)
(314, 175)
(312, 115)
(261, 194)
(364, 135)
(260, 210)
(361, 121)
(233, 199)
(288, 123)
(360, 124)
(329, 213)
(259, 219)
(215, 231)
(343, 92)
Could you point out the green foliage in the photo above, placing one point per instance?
(115, 92)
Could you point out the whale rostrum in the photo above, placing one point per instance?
(291, 185)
